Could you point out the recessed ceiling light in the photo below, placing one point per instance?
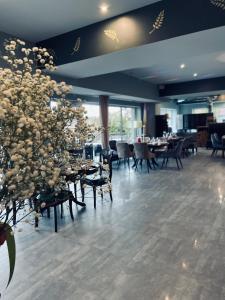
(195, 74)
(104, 8)
(182, 66)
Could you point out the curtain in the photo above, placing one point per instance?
(104, 116)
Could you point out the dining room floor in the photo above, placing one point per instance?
(162, 238)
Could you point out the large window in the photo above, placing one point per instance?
(93, 115)
(172, 117)
(122, 122)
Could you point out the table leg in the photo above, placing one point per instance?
(154, 162)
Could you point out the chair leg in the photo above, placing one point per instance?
(136, 164)
(167, 160)
(180, 162)
(94, 193)
(14, 213)
(82, 192)
(154, 163)
(61, 210)
(71, 209)
(75, 190)
(177, 164)
(128, 162)
(118, 163)
(147, 162)
(30, 203)
(164, 159)
(101, 192)
(55, 219)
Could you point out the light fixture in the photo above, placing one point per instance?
(195, 74)
(104, 8)
(182, 66)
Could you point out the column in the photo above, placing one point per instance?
(104, 118)
(149, 119)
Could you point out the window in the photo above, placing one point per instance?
(202, 110)
(122, 122)
(219, 113)
(93, 115)
(172, 117)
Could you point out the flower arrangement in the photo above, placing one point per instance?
(33, 137)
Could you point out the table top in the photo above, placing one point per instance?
(161, 144)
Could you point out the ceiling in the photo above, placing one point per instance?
(38, 20)
(159, 63)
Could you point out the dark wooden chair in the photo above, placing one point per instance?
(102, 178)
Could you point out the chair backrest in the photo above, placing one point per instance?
(123, 150)
(107, 160)
(179, 147)
(141, 151)
(214, 139)
(112, 145)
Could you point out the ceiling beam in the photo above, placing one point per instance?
(156, 22)
(193, 87)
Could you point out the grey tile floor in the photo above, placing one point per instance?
(163, 238)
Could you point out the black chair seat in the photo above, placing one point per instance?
(95, 181)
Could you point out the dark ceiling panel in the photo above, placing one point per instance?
(159, 21)
(192, 87)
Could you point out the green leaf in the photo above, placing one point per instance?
(11, 251)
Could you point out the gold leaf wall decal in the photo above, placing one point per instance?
(112, 35)
(219, 3)
(158, 22)
(76, 47)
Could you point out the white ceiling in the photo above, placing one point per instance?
(36, 20)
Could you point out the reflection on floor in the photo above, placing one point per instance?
(162, 238)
